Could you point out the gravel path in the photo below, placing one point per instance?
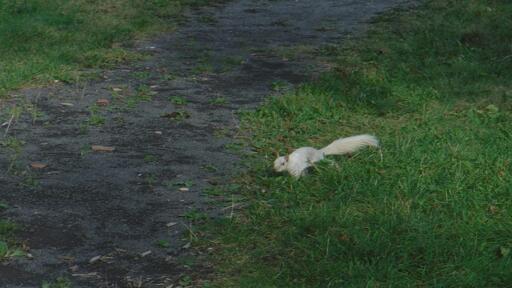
(141, 196)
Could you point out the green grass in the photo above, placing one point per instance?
(178, 100)
(432, 208)
(218, 101)
(58, 283)
(95, 117)
(164, 244)
(42, 41)
(7, 244)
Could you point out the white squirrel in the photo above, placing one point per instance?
(299, 160)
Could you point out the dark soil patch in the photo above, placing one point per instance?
(117, 204)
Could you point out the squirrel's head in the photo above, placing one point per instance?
(280, 163)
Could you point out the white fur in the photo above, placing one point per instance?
(299, 160)
(350, 144)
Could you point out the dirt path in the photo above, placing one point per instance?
(120, 204)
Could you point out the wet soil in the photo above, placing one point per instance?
(146, 191)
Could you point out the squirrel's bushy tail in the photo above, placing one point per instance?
(350, 144)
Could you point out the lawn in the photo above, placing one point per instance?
(42, 41)
(432, 208)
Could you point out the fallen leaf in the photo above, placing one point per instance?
(102, 102)
(117, 89)
(67, 258)
(184, 189)
(38, 165)
(170, 224)
(67, 104)
(186, 246)
(344, 237)
(100, 148)
(144, 254)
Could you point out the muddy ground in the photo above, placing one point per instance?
(143, 195)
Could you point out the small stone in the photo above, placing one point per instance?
(170, 224)
(170, 259)
(94, 259)
(38, 165)
(186, 246)
(100, 148)
(158, 132)
(30, 256)
(184, 189)
(86, 275)
(102, 102)
(74, 268)
(119, 250)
